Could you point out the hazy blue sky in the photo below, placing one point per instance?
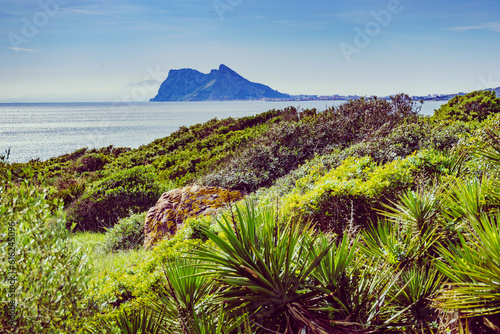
(313, 47)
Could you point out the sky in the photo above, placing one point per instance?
(88, 48)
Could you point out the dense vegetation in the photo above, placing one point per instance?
(477, 105)
(363, 218)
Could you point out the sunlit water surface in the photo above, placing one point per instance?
(45, 130)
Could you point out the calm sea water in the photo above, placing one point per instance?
(45, 130)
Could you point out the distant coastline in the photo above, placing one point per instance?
(430, 97)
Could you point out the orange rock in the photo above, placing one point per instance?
(175, 206)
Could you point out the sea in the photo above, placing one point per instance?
(45, 130)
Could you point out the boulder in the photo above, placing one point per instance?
(174, 207)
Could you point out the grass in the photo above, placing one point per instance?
(90, 243)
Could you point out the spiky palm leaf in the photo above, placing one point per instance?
(412, 294)
(396, 244)
(267, 268)
(473, 267)
(466, 200)
(493, 156)
(142, 321)
(356, 290)
(220, 324)
(418, 210)
(183, 296)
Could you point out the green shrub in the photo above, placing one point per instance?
(407, 138)
(191, 152)
(47, 275)
(348, 196)
(477, 106)
(91, 162)
(116, 196)
(125, 277)
(127, 234)
(193, 228)
(68, 189)
(383, 146)
(284, 146)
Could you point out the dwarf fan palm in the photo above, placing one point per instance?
(184, 295)
(356, 287)
(467, 200)
(418, 210)
(138, 322)
(267, 268)
(397, 245)
(473, 268)
(411, 298)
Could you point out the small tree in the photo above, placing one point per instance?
(477, 105)
(44, 276)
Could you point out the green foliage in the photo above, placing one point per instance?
(419, 211)
(193, 227)
(347, 197)
(355, 288)
(190, 152)
(286, 145)
(91, 162)
(68, 189)
(125, 278)
(73, 164)
(127, 234)
(398, 245)
(46, 275)
(116, 196)
(383, 146)
(412, 298)
(477, 105)
(481, 139)
(407, 138)
(467, 200)
(184, 295)
(266, 268)
(287, 277)
(138, 322)
(473, 267)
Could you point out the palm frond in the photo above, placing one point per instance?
(267, 267)
(183, 296)
(466, 200)
(473, 267)
(397, 244)
(412, 296)
(418, 210)
(143, 321)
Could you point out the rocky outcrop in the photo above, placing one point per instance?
(218, 85)
(175, 206)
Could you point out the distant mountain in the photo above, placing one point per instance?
(218, 85)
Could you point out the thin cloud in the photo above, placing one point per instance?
(88, 12)
(21, 49)
(489, 26)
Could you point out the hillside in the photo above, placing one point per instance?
(362, 218)
(218, 85)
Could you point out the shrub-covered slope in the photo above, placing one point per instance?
(364, 218)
